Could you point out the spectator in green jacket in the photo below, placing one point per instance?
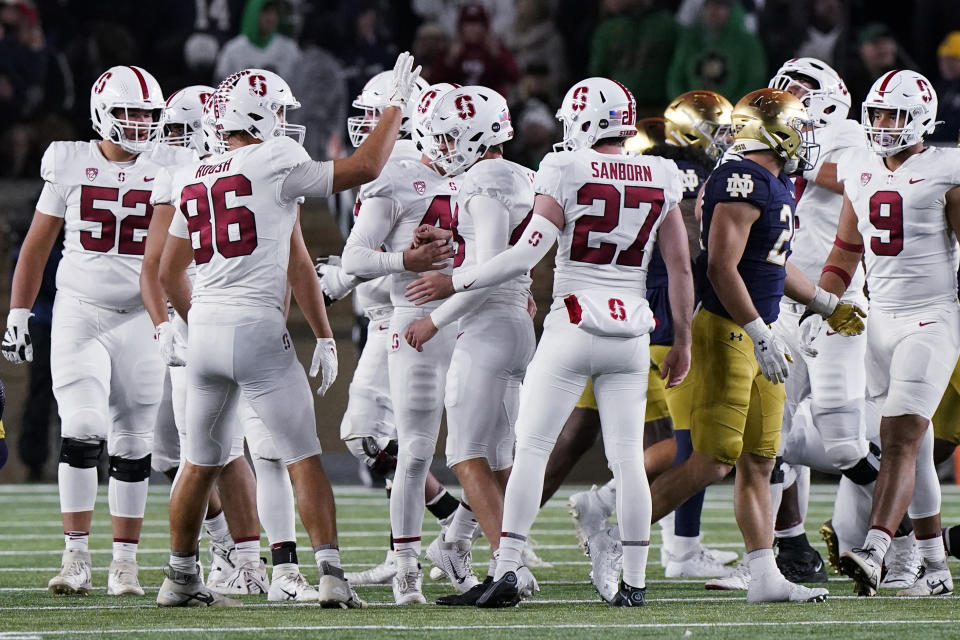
(634, 44)
(718, 54)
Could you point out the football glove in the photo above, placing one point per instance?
(333, 281)
(810, 327)
(170, 344)
(404, 81)
(843, 317)
(325, 359)
(771, 351)
(17, 344)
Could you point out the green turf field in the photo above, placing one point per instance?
(567, 606)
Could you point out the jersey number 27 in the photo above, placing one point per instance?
(609, 195)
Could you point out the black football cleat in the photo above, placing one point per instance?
(798, 561)
(469, 597)
(501, 593)
(628, 596)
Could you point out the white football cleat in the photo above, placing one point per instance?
(408, 585)
(248, 578)
(773, 587)
(74, 576)
(335, 592)
(381, 574)
(698, 564)
(222, 564)
(530, 558)
(739, 580)
(527, 585)
(456, 561)
(721, 556)
(589, 514)
(606, 558)
(902, 563)
(930, 582)
(863, 567)
(122, 579)
(288, 584)
(186, 590)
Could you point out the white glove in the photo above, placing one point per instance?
(810, 328)
(333, 281)
(404, 81)
(171, 345)
(771, 352)
(17, 344)
(823, 302)
(325, 358)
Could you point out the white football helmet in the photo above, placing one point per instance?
(255, 101)
(373, 99)
(912, 96)
(594, 109)
(183, 118)
(422, 110)
(828, 101)
(464, 123)
(116, 91)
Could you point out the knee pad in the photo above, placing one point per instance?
(81, 454)
(417, 448)
(86, 423)
(841, 433)
(129, 470)
(424, 392)
(865, 470)
(130, 445)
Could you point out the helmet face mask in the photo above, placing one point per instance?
(183, 118)
(596, 109)
(700, 119)
(821, 90)
(464, 124)
(774, 120)
(373, 99)
(909, 99)
(126, 108)
(422, 112)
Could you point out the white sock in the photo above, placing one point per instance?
(327, 553)
(803, 491)
(77, 541)
(463, 525)
(275, 505)
(790, 532)
(184, 563)
(125, 550)
(683, 547)
(511, 553)
(218, 530)
(879, 541)
(248, 550)
(932, 551)
(762, 563)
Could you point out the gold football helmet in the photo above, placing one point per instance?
(650, 132)
(701, 119)
(774, 120)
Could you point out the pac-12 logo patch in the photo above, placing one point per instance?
(865, 178)
(420, 187)
(92, 173)
(740, 186)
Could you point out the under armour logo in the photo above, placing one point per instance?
(736, 336)
(740, 186)
(763, 345)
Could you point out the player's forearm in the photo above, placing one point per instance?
(366, 263)
(797, 286)
(733, 293)
(533, 245)
(179, 291)
(152, 292)
(673, 244)
(839, 269)
(680, 291)
(457, 306)
(27, 278)
(309, 297)
(367, 161)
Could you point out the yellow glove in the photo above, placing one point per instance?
(845, 321)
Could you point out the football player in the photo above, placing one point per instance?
(599, 324)
(249, 196)
(901, 213)
(368, 427)
(495, 338)
(107, 376)
(738, 362)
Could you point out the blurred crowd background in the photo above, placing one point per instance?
(51, 51)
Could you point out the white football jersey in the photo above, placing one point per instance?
(910, 251)
(511, 185)
(106, 210)
(612, 207)
(418, 195)
(818, 208)
(230, 208)
(373, 293)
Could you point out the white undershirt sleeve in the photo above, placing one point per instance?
(310, 178)
(536, 241)
(491, 223)
(361, 255)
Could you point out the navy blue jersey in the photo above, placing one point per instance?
(762, 266)
(693, 175)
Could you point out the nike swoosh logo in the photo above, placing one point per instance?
(915, 181)
(205, 598)
(467, 286)
(459, 334)
(384, 328)
(148, 179)
(292, 596)
(923, 324)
